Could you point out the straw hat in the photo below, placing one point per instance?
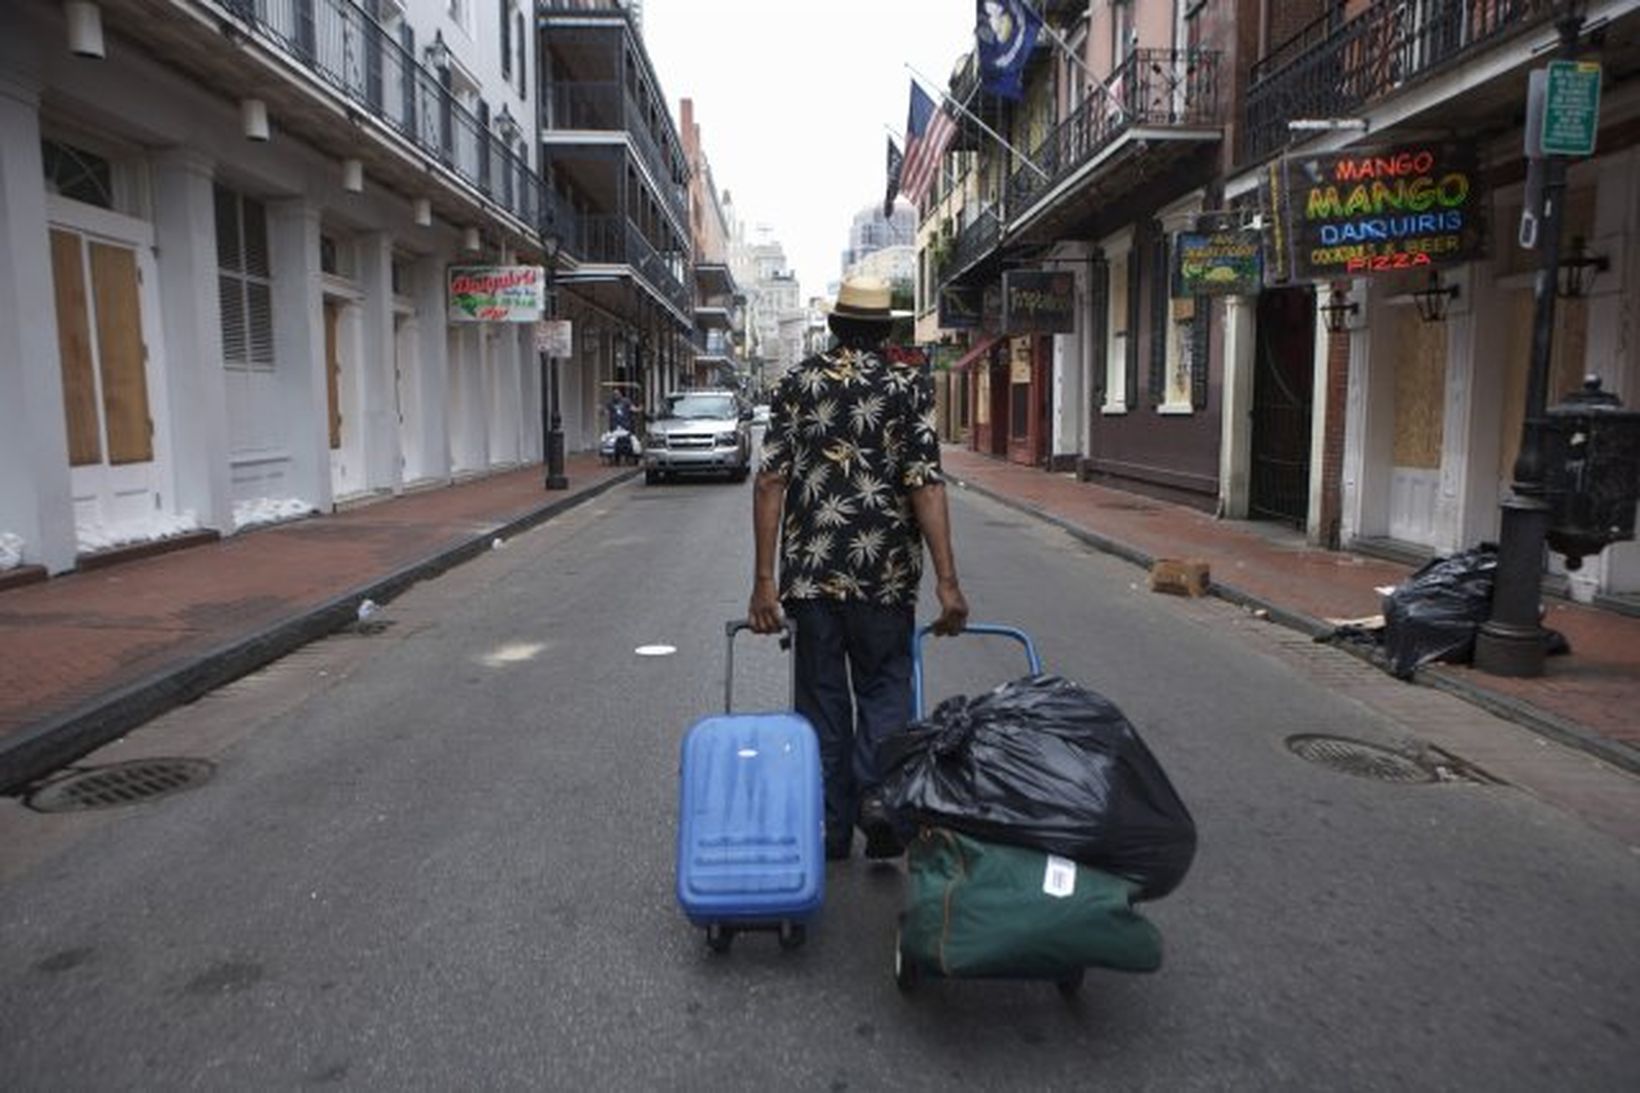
(863, 299)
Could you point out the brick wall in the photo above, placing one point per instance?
(1332, 441)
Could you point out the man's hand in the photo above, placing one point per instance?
(953, 608)
(764, 611)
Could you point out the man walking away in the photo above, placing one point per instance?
(850, 488)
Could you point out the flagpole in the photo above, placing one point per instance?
(1057, 39)
(992, 133)
(950, 179)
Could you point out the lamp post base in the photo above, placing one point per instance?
(1513, 642)
(555, 461)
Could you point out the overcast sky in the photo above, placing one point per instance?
(791, 97)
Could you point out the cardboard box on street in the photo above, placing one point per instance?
(1180, 576)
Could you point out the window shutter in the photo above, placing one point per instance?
(373, 35)
(256, 238)
(230, 294)
(522, 45)
(259, 321)
(506, 42)
(1099, 306)
(1201, 342)
(1134, 296)
(407, 38)
(227, 230)
(1158, 318)
(483, 145)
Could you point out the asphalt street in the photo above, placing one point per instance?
(440, 856)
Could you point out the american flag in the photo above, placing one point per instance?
(928, 132)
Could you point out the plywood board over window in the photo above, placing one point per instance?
(74, 350)
(120, 354)
(1420, 390)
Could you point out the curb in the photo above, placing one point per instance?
(1522, 713)
(44, 746)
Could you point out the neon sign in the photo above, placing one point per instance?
(1362, 212)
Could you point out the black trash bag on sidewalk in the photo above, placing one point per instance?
(1046, 763)
(1434, 614)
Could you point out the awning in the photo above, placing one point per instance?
(975, 353)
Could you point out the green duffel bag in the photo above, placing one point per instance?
(979, 909)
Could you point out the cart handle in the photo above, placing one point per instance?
(972, 628)
(788, 636)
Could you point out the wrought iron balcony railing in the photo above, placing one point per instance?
(713, 343)
(605, 107)
(615, 240)
(1151, 88)
(358, 59)
(1334, 66)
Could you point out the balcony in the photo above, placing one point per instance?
(354, 58)
(1334, 66)
(606, 107)
(1155, 94)
(613, 240)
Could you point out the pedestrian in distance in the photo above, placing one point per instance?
(848, 492)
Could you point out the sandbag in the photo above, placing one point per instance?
(1045, 763)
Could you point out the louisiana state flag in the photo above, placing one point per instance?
(1005, 32)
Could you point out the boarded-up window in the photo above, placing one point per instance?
(74, 350)
(244, 282)
(120, 354)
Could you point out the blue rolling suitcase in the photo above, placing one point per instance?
(751, 839)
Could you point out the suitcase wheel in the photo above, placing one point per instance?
(792, 934)
(1071, 985)
(906, 972)
(719, 938)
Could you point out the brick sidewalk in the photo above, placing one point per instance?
(87, 655)
(1589, 699)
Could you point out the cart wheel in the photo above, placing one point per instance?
(719, 938)
(906, 972)
(792, 934)
(1071, 985)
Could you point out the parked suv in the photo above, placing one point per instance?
(701, 431)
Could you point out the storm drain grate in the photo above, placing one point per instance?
(119, 784)
(1359, 758)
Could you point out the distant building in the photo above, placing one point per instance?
(872, 232)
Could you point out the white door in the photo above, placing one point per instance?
(112, 372)
(407, 397)
(342, 396)
(1419, 360)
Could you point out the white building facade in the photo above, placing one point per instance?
(227, 229)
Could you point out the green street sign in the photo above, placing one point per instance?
(1571, 108)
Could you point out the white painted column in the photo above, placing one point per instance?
(184, 215)
(383, 468)
(1614, 328)
(35, 497)
(433, 377)
(1236, 406)
(1457, 417)
(1319, 359)
(299, 347)
(1369, 424)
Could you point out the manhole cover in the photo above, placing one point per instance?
(120, 784)
(1358, 758)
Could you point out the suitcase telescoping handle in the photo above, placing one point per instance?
(972, 628)
(788, 637)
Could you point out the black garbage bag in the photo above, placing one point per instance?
(1046, 763)
(1434, 614)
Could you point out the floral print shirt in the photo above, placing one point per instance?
(853, 433)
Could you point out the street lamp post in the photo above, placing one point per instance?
(552, 425)
(1513, 642)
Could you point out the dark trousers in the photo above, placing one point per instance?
(854, 686)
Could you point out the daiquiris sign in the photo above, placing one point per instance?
(496, 294)
(1360, 212)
